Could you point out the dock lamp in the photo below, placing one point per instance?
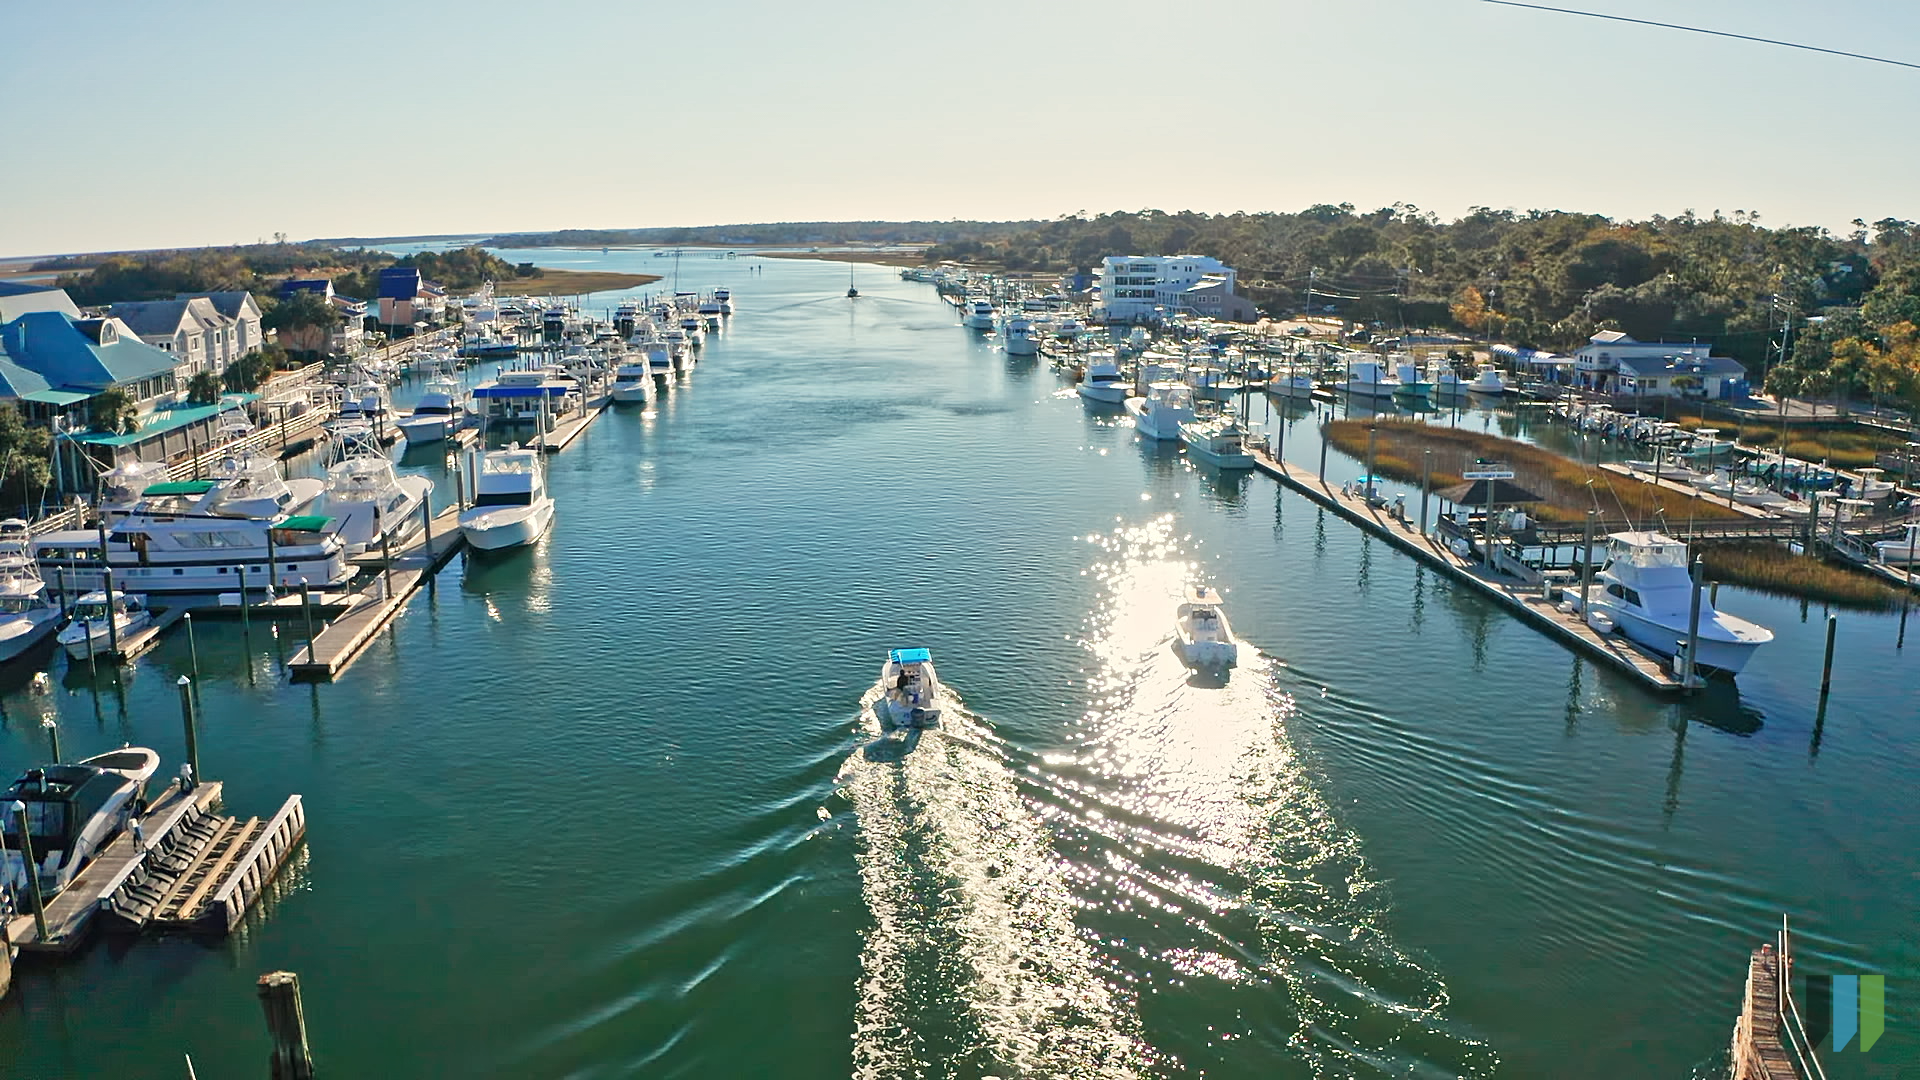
(19, 811)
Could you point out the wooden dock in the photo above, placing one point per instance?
(1532, 603)
(565, 431)
(70, 915)
(144, 638)
(336, 646)
(206, 873)
(1684, 489)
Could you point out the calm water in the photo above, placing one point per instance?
(602, 808)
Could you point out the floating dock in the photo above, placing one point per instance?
(565, 431)
(335, 647)
(1530, 603)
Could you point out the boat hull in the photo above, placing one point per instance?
(496, 528)
(633, 393)
(1022, 346)
(83, 640)
(424, 429)
(1209, 655)
(20, 633)
(1728, 657)
(1105, 393)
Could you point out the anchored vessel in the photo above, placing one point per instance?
(1160, 414)
(1646, 591)
(72, 812)
(1205, 639)
(910, 691)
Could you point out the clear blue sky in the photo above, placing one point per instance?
(142, 124)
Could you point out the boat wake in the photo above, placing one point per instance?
(973, 965)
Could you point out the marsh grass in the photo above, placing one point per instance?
(1771, 568)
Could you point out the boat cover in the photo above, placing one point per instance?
(909, 656)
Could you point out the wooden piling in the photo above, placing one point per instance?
(286, 1025)
(186, 719)
(113, 624)
(1826, 666)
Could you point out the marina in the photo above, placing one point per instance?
(1398, 738)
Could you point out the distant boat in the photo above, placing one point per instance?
(910, 691)
(1206, 641)
(851, 291)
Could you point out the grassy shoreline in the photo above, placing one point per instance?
(553, 282)
(1771, 568)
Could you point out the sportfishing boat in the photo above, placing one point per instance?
(1368, 379)
(363, 403)
(1292, 382)
(370, 503)
(97, 624)
(1020, 338)
(245, 484)
(724, 298)
(441, 410)
(73, 812)
(695, 330)
(27, 616)
(679, 352)
(1160, 414)
(1412, 383)
(122, 486)
(1103, 381)
(1219, 441)
(910, 691)
(511, 507)
(1903, 551)
(659, 361)
(980, 314)
(1200, 624)
(1487, 381)
(633, 379)
(1647, 592)
(710, 312)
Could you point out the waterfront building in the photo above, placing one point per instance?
(408, 301)
(347, 338)
(1151, 287)
(205, 331)
(1613, 363)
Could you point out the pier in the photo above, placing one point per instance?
(565, 431)
(1534, 604)
(333, 649)
(1678, 488)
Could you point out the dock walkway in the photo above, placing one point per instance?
(336, 646)
(1532, 603)
(565, 431)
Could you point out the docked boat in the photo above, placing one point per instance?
(910, 690)
(1646, 591)
(1215, 383)
(73, 812)
(1103, 381)
(1292, 382)
(99, 624)
(1368, 379)
(122, 486)
(710, 312)
(365, 404)
(1218, 440)
(1160, 413)
(1205, 639)
(174, 542)
(1487, 381)
(695, 331)
(1021, 339)
(27, 615)
(724, 298)
(441, 410)
(633, 380)
(370, 503)
(1446, 382)
(659, 361)
(679, 352)
(980, 315)
(1903, 550)
(525, 397)
(1668, 469)
(1412, 382)
(245, 484)
(1871, 486)
(511, 507)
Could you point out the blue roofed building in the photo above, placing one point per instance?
(348, 337)
(408, 301)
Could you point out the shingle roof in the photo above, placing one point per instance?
(16, 299)
(161, 317)
(232, 303)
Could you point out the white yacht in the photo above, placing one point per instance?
(1368, 379)
(122, 486)
(1903, 550)
(173, 542)
(980, 314)
(1412, 380)
(1214, 383)
(1205, 639)
(1292, 382)
(1446, 383)
(910, 690)
(1487, 381)
(246, 484)
(724, 298)
(525, 396)
(695, 331)
(511, 507)
(73, 812)
(633, 379)
(1103, 381)
(441, 410)
(1020, 337)
(90, 633)
(659, 361)
(1646, 591)
(369, 502)
(678, 350)
(366, 403)
(1219, 441)
(710, 312)
(27, 615)
(1160, 414)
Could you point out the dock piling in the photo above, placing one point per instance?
(1826, 666)
(1323, 453)
(1694, 573)
(113, 624)
(287, 1025)
(186, 720)
(1426, 482)
(60, 582)
(53, 737)
(33, 877)
(246, 618)
(193, 648)
(306, 609)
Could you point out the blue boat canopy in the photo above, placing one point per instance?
(909, 656)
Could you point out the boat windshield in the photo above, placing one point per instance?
(1649, 556)
(95, 610)
(14, 605)
(46, 819)
(504, 498)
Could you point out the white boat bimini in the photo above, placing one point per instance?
(73, 812)
(910, 691)
(511, 507)
(90, 633)
(1646, 591)
(1218, 441)
(27, 616)
(1103, 381)
(1160, 414)
(1205, 639)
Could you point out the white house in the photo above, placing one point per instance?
(191, 328)
(1135, 287)
(1613, 363)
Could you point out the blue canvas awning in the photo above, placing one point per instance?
(909, 656)
(548, 389)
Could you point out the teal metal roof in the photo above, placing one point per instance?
(55, 397)
(165, 420)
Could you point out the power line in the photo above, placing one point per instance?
(1702, 30)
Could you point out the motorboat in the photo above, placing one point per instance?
(1446, 382)
(1160, 413)
(1292, 382)
(1871, 486)
(98, 625)
(511, 507)
(122, 486)
(710, 312)
(1139, 339)
(1645, 589)
(910, 690)
(678, 349)
(1667, 470)
(1487, 381)
(27, 615)
(1020, 338)
(1219, 441)
(1412, 381)
(1068, 328)
(724, 298)
(1214, 383)
(441, 410)
(366, 403)
(244, 484)
(633, 380)
(1204, 638)
(980, 315)
(695, 330)
(72, 813)
(1368, 379)
(659, 361)
(172, 543)
(1103, 381)
(370, 503)
(1903, 551)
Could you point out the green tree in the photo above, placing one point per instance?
(203, 389)
(305, 322)
(113, 411)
